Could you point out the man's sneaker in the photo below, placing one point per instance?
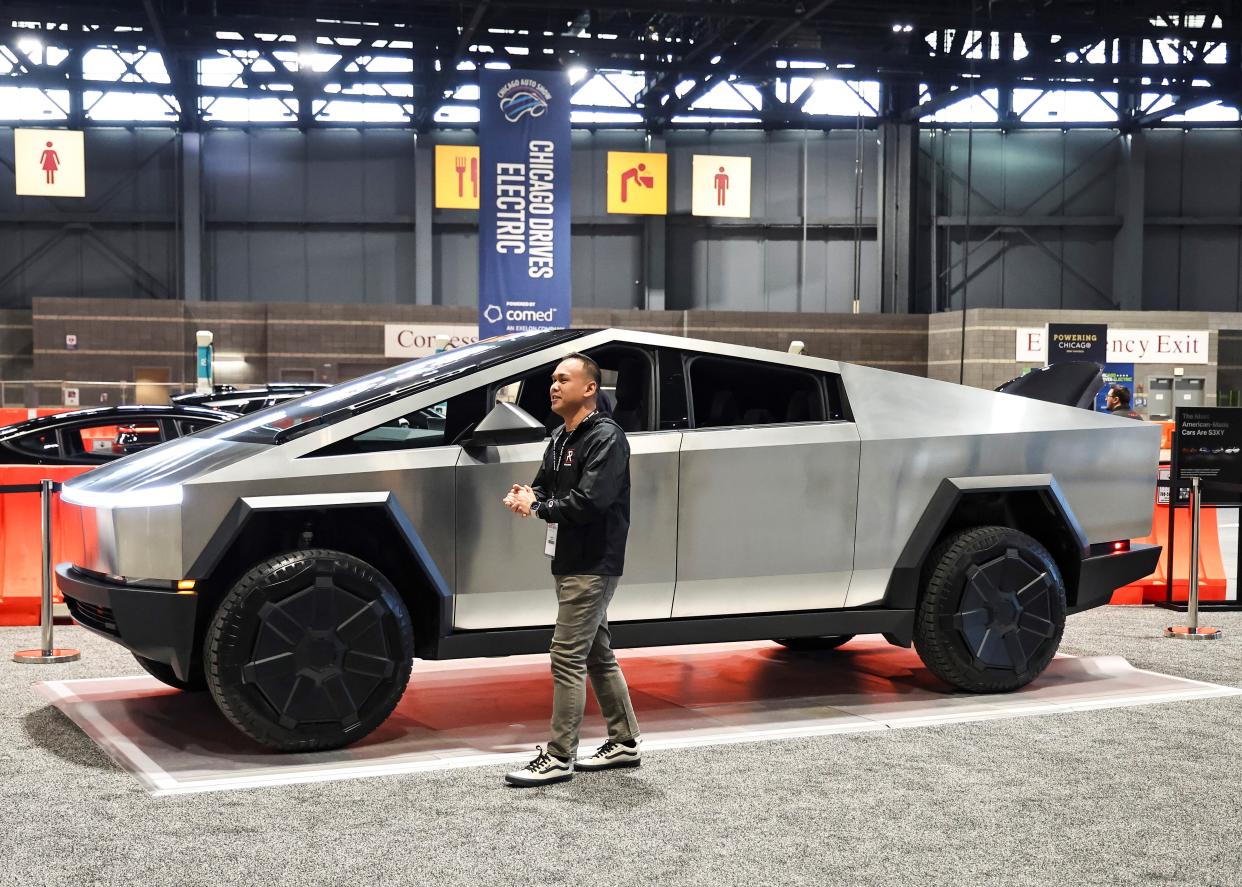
(612, 754)
(543, 770)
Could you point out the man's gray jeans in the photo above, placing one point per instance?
(581, 646)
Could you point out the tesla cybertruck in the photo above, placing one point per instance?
(295, 561)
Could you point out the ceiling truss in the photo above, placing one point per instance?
(649, 64)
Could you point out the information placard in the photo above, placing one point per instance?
(1207, 444)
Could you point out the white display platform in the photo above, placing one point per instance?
(476, 712)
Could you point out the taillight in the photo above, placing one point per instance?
(1122, 545)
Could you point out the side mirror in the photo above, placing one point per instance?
(506, 424)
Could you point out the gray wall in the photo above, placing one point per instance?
(328, 217)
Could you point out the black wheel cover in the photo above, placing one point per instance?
(1006, 611)
(319, 651)
(310, 650)
(992, 611)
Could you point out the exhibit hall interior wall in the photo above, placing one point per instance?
(130, 338)
(1081, 219)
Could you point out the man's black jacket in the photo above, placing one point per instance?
(587, 496)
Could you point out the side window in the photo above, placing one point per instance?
(626, 389)
(438, 425)
(186, 427)
(729, 392)
(113, 440)
(39, 443)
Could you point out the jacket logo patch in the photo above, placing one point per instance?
(569, 457)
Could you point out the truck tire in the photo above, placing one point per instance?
(992, 611)
(826, 642)
(163, 672)
(310, 650)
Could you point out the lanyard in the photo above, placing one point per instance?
(559, 451)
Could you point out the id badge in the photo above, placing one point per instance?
(549, 541)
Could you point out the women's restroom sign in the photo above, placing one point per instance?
(49, 163)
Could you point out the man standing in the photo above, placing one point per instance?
(582, 491)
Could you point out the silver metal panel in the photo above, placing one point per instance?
(766, 518)
(134, 542)
(421, 481)
(917, 432)
(504, 579)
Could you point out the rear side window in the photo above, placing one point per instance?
(113, 440)
(40, 443)
(730, 392)
(190, 426)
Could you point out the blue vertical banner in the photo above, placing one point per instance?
(524, 206)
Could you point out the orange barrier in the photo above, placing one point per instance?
(13, 415)
(1212, 580)
(21, 547)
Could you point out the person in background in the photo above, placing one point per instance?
(1117, 402)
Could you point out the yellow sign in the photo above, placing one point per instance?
(457, 177)
(49, 162)
(637, 183)
(720, 186)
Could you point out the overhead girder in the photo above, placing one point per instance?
(686, 47)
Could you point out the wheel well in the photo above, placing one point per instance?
(366, 532)
(1037, 512)
(1034, 512)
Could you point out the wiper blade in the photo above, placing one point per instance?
(287, 434)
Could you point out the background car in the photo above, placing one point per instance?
(95, 436)
(296, 561)
(248, 399)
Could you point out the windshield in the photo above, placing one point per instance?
(289, 419)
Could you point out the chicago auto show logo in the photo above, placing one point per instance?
(518, 98)
(492, 314)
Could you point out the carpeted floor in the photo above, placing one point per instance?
(1095, 798)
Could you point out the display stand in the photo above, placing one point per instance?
(48, 652)
(1194, 631)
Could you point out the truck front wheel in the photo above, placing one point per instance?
(310, 650)
(992, 612)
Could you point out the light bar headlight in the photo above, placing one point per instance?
(145, 497)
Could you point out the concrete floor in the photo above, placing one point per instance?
(1144, 795)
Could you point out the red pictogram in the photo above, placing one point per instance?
(459, 164)
(722, 185)
(50, 162)
(634, 174)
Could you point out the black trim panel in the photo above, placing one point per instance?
(896, 625)
(903, 585)
(235, 522)
(1100, 576)
(158, 625)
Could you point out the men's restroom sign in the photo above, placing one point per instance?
(637, 183)
(720, 186)
(49, 163)
(457, 176)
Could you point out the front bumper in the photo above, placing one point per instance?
(155, 623)
(1101, 575)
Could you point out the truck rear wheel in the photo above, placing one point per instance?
(310, 650)
(992, 612)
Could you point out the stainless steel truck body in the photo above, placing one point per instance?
(297, 559)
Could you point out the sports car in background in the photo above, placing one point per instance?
(249, 399)
(297, 560)
(99, 435)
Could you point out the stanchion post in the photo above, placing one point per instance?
(1192, 591)
(48, 652)
(1193, 631)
